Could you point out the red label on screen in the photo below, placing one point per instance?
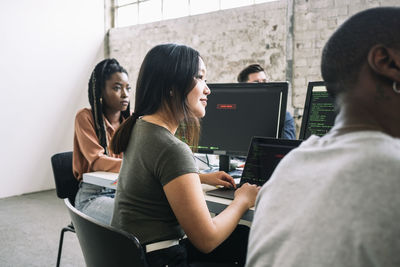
(226, 106)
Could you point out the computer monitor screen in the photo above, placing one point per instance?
(319, 111)
(236, 112)
(264, 155)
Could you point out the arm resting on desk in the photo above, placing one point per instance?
(190, 208)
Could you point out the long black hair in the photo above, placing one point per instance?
(166, 77)
(101, 73)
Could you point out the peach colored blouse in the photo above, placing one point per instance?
(88, 154)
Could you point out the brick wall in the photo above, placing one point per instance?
(229, 40)
(314, 22)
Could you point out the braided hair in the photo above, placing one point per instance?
(101, 73)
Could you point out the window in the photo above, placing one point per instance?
(150, 11)
(127, 15)
(225, 4)
(203, 6)
(132, 12)
(175, 8)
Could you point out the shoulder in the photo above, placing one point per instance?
(171, 145)
(164, 154)
(371, 144)
(175, 160)
(84, 114)
(289, 121)
(177, 146)
(288, 116)
(373, 154)
(381, 150)
(84, 118)
(157, 138)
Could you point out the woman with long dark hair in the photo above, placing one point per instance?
(109, 101)
(159, 195)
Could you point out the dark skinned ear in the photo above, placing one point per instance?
(385, 62)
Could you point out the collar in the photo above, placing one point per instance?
(108, 125)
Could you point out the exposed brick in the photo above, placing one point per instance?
(229, 40)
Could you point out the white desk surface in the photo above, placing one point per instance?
(106, 179)
(215, 204)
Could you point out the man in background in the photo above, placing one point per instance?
(254, 73)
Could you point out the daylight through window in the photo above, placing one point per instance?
(132, 12)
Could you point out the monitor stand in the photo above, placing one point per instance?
(224, 163)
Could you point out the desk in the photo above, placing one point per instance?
(215, 204)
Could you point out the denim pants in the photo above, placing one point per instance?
(96, 202)
(231, 252)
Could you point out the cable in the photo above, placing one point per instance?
(205, 162)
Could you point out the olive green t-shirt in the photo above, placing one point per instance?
(153, 158)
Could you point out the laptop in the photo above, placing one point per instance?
(263, 156)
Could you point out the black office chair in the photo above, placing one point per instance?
(104, 245)
(66, 187)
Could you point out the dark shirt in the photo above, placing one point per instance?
(153, 158)
(289, 130)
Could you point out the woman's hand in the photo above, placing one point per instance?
(247, 193)
(218, 178)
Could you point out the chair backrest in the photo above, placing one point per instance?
(66, 183)
(104, 245)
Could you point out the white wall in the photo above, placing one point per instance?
(48, 49)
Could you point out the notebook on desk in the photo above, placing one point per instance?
(263, 156)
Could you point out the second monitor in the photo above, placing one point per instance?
(319, 111)
(238, 111)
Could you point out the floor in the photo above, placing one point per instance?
(30, 230)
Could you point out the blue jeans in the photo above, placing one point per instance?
(96, 202)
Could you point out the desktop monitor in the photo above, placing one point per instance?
(238, 111)
(319, 111)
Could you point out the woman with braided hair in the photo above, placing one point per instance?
(109, 101)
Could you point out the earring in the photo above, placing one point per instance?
(170, 93)
(101, 100)
(397, 91)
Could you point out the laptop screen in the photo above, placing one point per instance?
(263, 157)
